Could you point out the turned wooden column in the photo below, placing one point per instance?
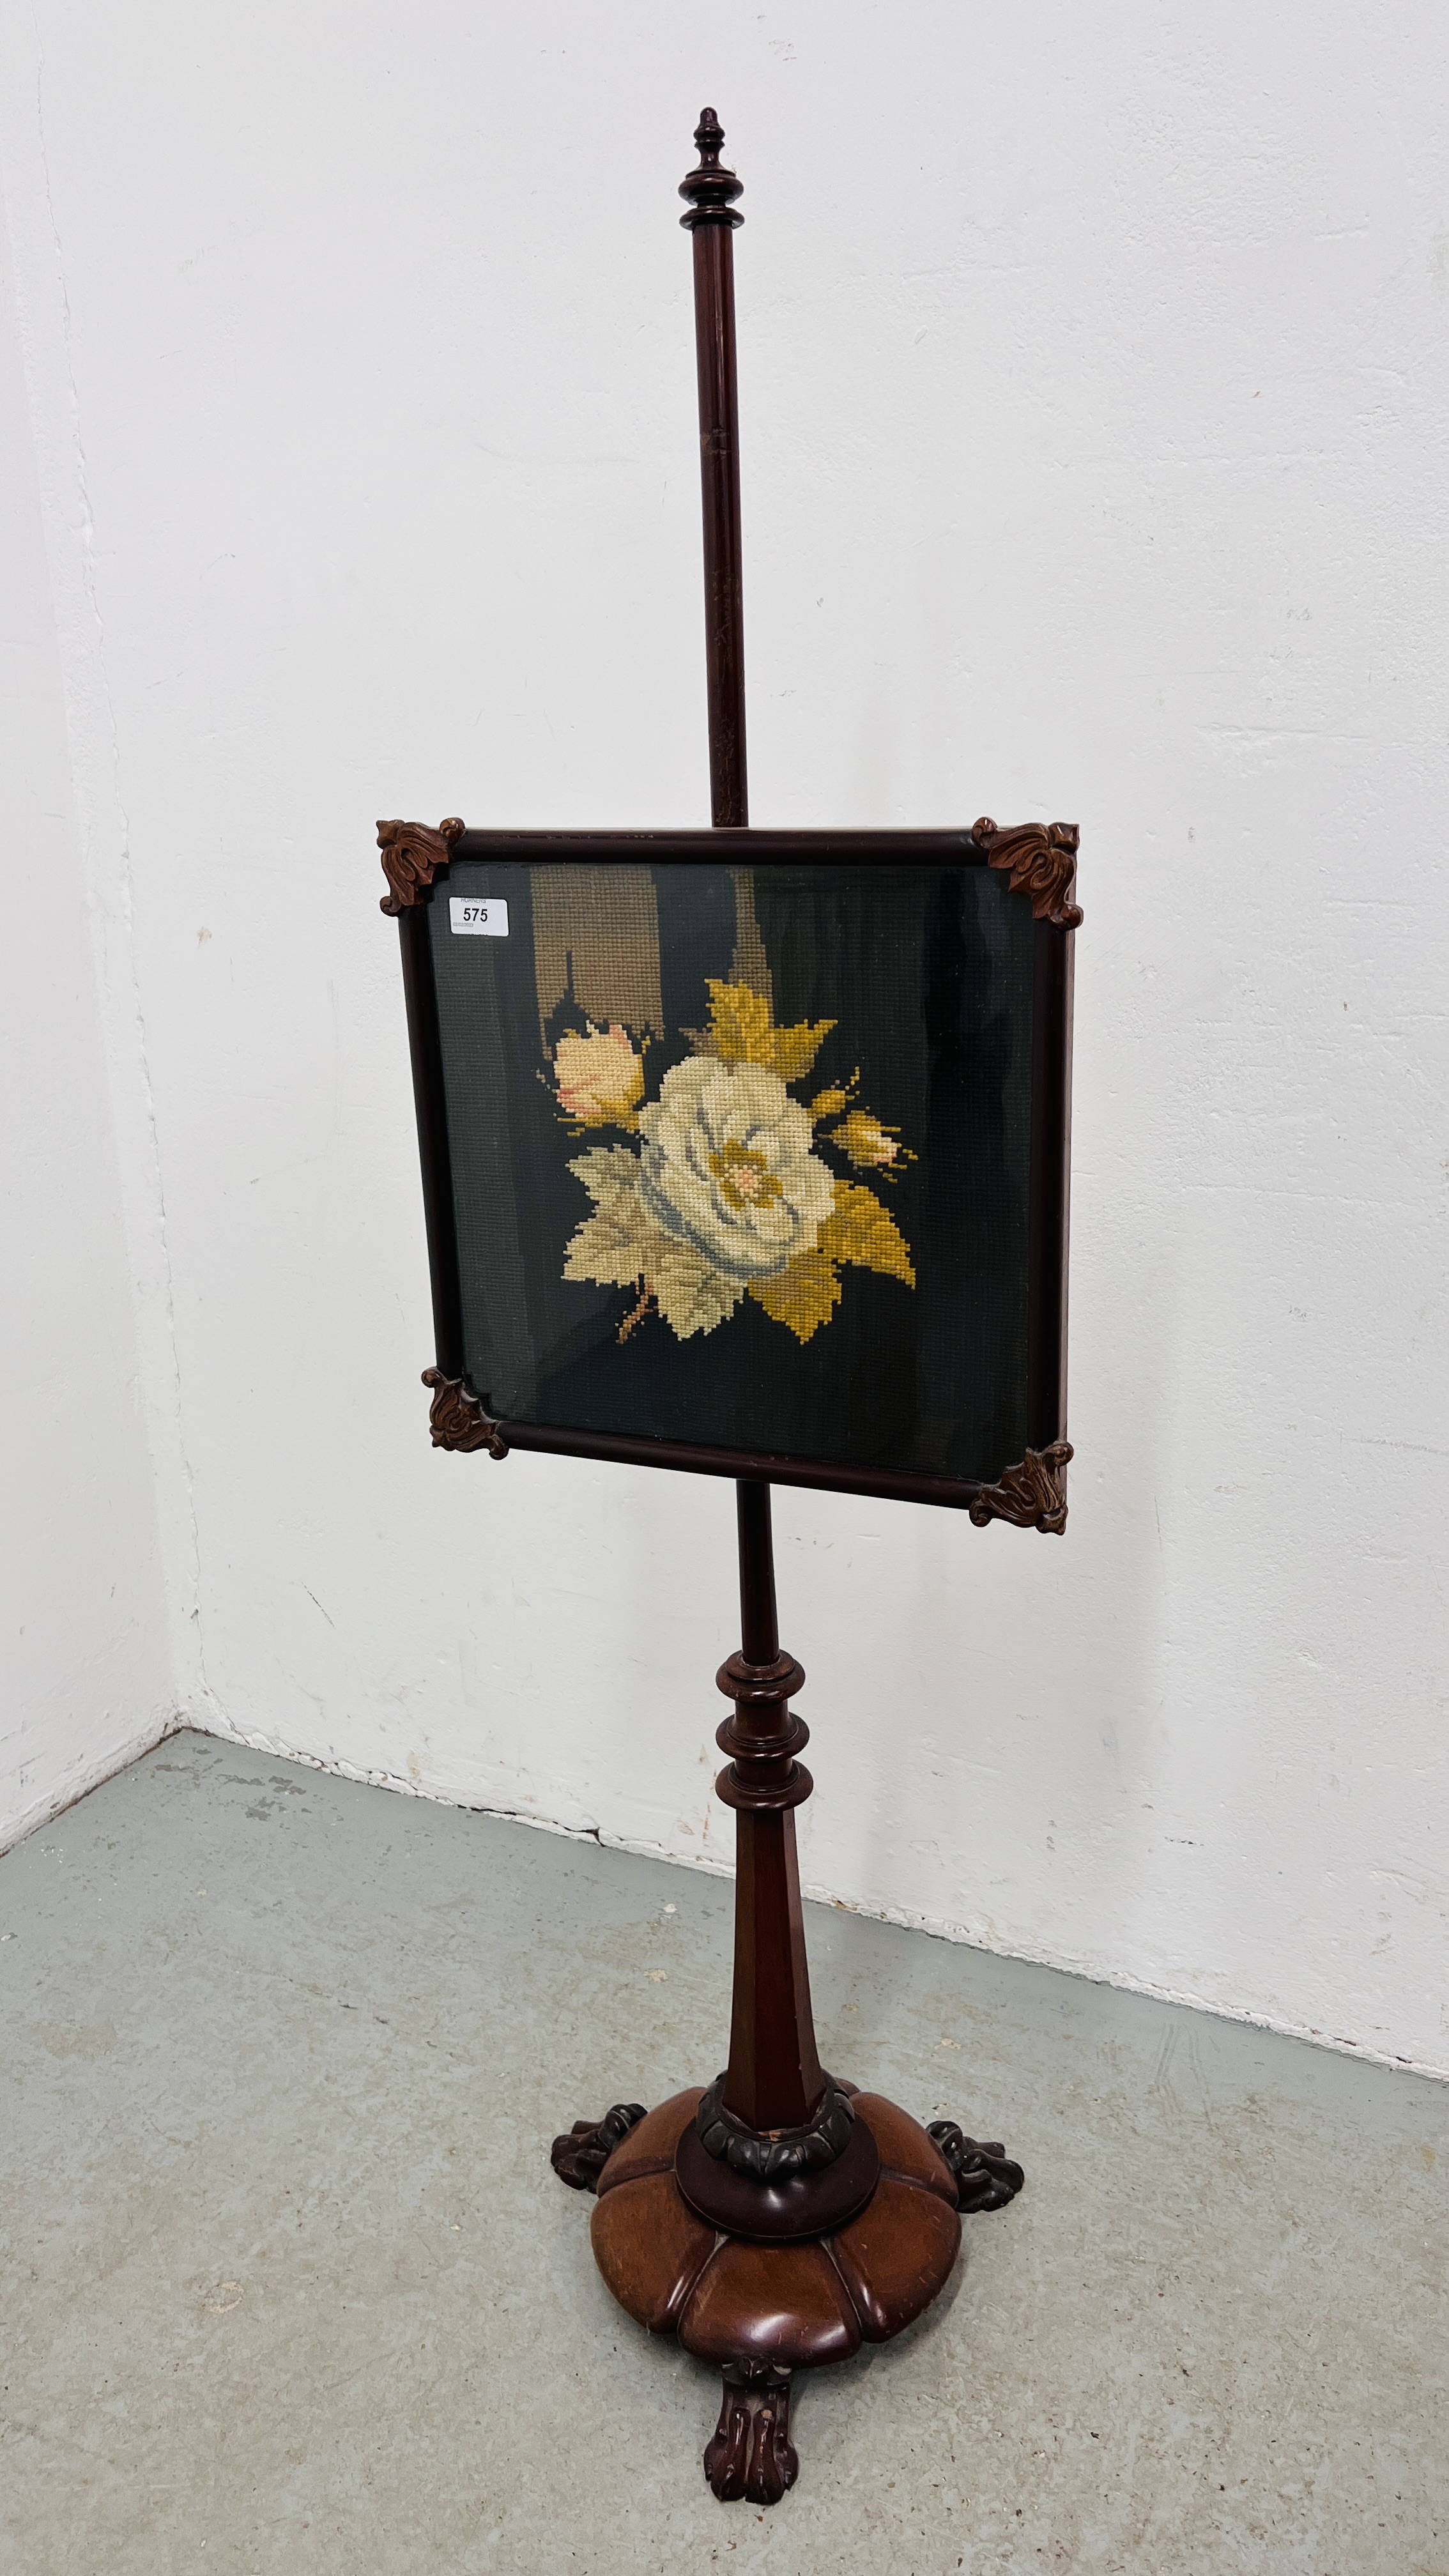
(774, 2079)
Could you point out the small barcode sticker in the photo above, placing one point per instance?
(478, 916)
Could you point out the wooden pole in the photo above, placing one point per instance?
(712, 220)
(774, 2079)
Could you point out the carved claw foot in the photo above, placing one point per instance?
(580, 2158)
(751, 2455)
(985, 2176)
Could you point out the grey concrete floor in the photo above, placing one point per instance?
(290, 2287)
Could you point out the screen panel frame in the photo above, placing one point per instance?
(1042, 864)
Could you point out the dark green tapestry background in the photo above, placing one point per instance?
(927, 972)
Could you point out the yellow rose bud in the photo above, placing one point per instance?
(870, 1145)
(599, 1079)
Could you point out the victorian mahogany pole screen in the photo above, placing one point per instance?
(774, 2079)
(779, 2217)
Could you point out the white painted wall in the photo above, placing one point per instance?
(1094, 391)
(86, 1673)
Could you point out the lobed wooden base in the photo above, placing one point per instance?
(763, 2309)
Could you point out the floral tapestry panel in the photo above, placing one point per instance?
(740, 1155)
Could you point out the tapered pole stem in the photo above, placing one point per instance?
(759, 1630)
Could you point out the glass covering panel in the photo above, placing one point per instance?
(740, 1154)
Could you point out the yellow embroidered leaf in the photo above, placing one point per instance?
(794, 1050)
(691, 1297)
(804, 1295)
(859, 1230)
(828, 1104)
(611, 1246)
(740, 1029)
(605, 1251)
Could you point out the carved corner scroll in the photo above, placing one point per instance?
(1042, 858)
(457, 1419)
(412, 854)
(1029, 1496)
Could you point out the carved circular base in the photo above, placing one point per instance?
(733, 2299)
(789, 2207)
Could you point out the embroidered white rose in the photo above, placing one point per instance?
(727, 1167)
(725, 1194)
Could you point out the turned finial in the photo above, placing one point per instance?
(711, 189)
